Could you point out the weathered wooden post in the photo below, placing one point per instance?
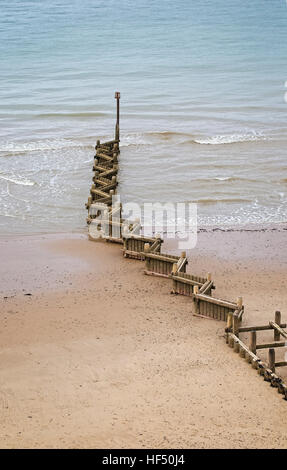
(105, 224)
(235, 330)
(271, 359)
(278, 321)
(117, 133)
(235, 325)
(147, 260)
(173, 272)
(229, 321)
(195, 301)
(241, 351)
(252, 346)
(174, 268)
(239, 303)
(230, 340)
(236, 347)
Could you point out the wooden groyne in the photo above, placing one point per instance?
(164, 264)
(249, 352)
(106, 223)
(113, 228)
(136, 246)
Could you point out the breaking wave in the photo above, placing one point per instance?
(230, 139)
(13, 147)
(149, 138)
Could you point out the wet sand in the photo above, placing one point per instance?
(99, 355)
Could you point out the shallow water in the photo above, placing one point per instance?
(203, 115)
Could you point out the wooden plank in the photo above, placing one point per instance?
(275, 344)
(112, 172)
(245, 329)
(202, 290)
(209, 309)
(222, 314)
(202, 309)
(278, 322)
(105, 157)
(213, 306)
(105, 185)
(245, 348)
(155, 245)
(102, 168)
(183, 280)
(99, 192)
(161, 257)
(182, 262)
(213, 300)
(214, 311)
(152, 273)
(206, 288)
(142, 238)
(202, 316)
(278, 328)
(133, 254)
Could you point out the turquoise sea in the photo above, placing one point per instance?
(203, 110)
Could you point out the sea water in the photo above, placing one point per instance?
(203, 107)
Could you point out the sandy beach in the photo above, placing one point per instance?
(168, 116)
(96, 354)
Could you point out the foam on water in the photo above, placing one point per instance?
(231, 139)
(40, 145)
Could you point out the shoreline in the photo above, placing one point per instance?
(267, 227)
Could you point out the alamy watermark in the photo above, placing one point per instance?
(175, 221)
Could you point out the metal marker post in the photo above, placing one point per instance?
(117, 133)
